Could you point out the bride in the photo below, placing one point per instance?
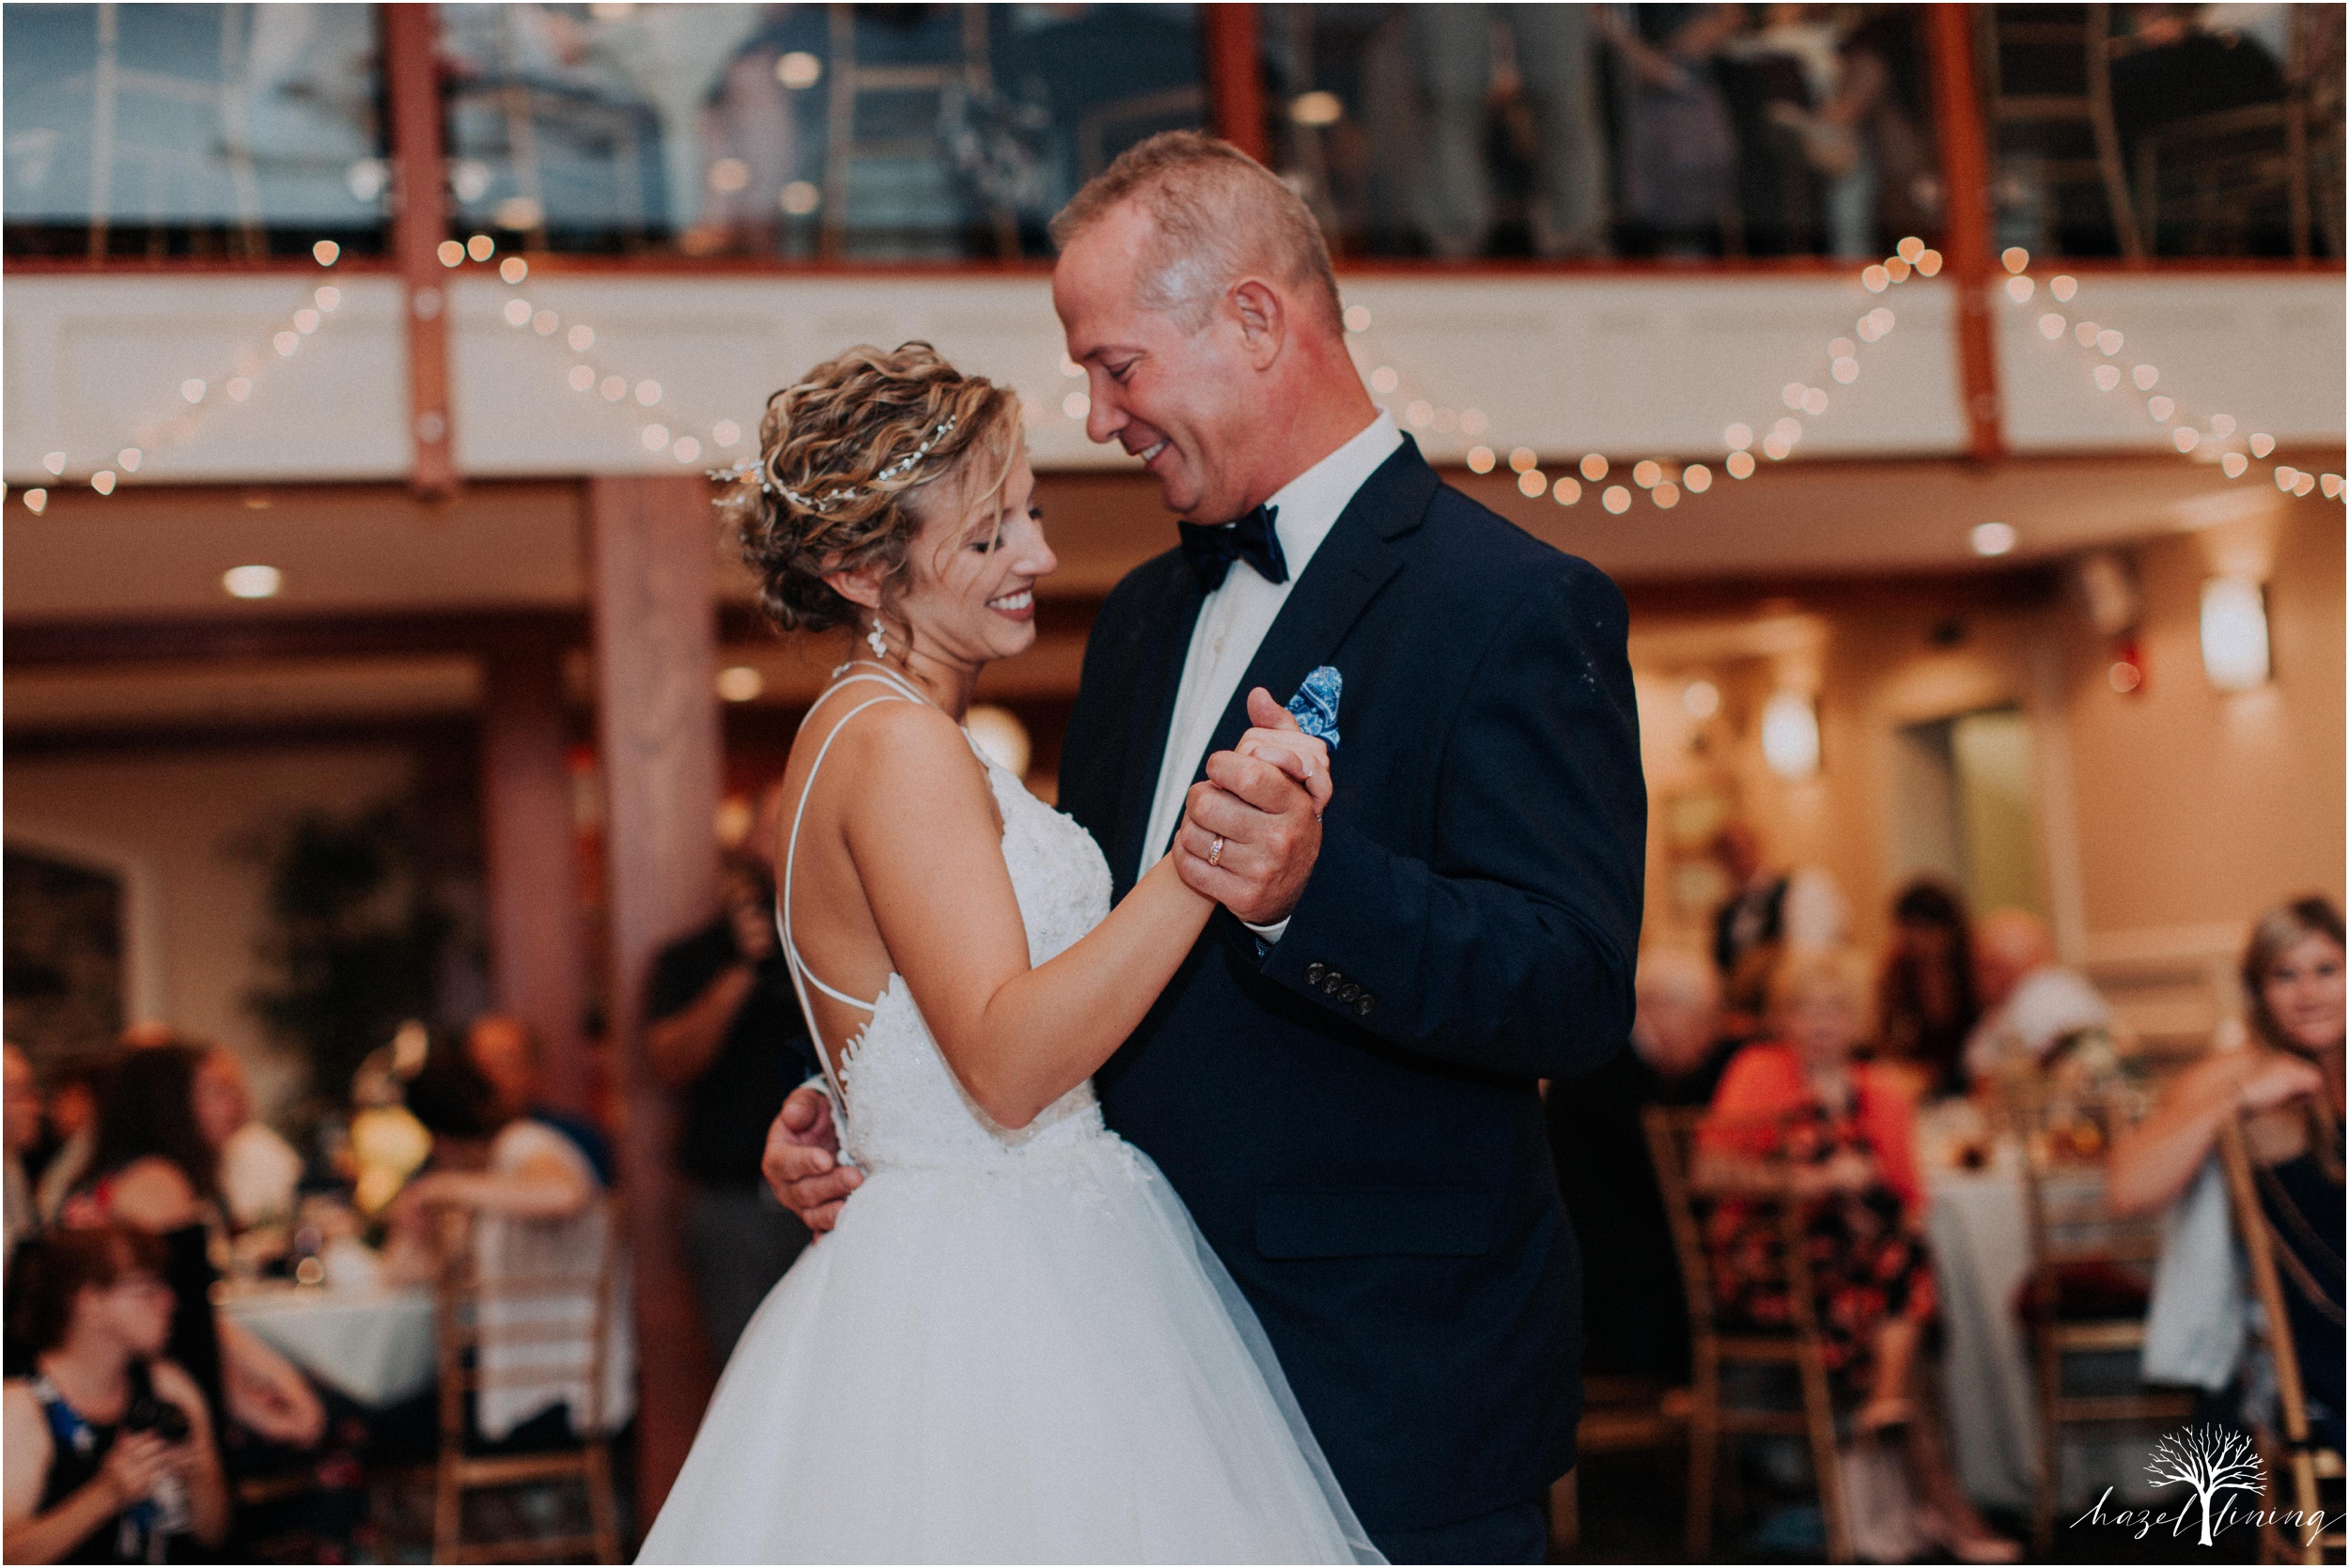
(1014, 1346)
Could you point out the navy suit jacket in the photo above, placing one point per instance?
(1353, 1116)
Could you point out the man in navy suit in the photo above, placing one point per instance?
(1342, 1083)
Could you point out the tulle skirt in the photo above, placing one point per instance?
(1040, 1363)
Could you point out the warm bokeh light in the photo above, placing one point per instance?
(1790, 736)
(1992, 538)
(253, 582)
(2234, 633)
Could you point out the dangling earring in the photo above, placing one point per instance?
(879, 644)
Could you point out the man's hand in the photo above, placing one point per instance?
(1268, 822)
(802, 1163)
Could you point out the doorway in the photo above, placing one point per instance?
(1966, 810)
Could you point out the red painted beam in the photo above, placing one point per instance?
(1966, 241)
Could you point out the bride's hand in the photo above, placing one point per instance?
(1301, 756)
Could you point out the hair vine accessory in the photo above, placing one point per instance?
(770, 485)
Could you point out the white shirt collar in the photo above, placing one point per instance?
(1307, 506)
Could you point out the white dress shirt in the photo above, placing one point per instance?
(1236, 616)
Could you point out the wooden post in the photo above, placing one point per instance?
(535, 937)
(1966, 243)
(654, 553)
(1234, 85)
(420, 223)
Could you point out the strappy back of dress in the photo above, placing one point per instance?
(910, 1109)
(802, 976)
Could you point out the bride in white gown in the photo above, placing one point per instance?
(1014, 1346)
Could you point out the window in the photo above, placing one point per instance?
(228, 132)
(878, 133)
(1463, 132)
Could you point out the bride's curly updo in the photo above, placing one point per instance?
(844, 455)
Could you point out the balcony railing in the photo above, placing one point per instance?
(761, 135)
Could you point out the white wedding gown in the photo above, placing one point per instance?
(1016, 1346)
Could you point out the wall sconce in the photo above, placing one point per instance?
(2234, 633)
(1790, 736)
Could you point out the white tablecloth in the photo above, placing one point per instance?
(1980, 1241)
(372, 1343)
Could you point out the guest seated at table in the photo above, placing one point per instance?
(1634, 1320)
(2031, 1004)
(108, 1454)
(154, 1164)
(1927, 999)
(1797, 1117)
(537, 1212)
(69, 1118)
(2287, 1086)
(259, 1172)
(20, 1104)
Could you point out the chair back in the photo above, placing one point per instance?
(513, 1313)
(2086, 1261)
(2265, 1255)
(1676, 1138)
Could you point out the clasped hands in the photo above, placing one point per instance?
(1250, 832)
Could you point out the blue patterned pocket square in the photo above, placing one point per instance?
(1316, 705)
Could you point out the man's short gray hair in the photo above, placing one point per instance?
(1219, 214)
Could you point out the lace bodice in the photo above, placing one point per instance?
(905, 1108)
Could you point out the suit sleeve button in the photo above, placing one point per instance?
(1349, 991)
(1364, 1007)
(1331, 982)
(1314, 973)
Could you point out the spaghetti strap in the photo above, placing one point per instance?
(802, 976)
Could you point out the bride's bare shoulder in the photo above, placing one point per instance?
(897, 748)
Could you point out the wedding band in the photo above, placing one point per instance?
(1215, 851)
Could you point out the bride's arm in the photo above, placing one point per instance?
(923, 832)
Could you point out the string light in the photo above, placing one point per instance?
(2213, 440)
(201, 393)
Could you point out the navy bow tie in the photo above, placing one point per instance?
(1211, 549)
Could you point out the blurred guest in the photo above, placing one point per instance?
(259, 1171)
(725, 1027)
(1679, 156)
(71, 1113)
(1927, 999)
(1753, 917)
(1768, 912)
(1797, 1117)
(19, 1098)
(2031, 1004)
(109, 1454)
(2183, 61)
(537, 1213)
(154, 1164)
(1454, 61)
(2287, 1086)
(1841, 98)
(1634, 1318)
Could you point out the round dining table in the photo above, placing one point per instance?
(373, 1342)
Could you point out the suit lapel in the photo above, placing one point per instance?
(1170, 620)
(1359, 557)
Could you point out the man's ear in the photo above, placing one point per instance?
(1263, 321)
(858, 587)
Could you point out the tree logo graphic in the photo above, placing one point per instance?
(2213, 1460)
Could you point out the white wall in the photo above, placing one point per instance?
(170, 822)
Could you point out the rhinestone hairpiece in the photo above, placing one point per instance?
(770, 485)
